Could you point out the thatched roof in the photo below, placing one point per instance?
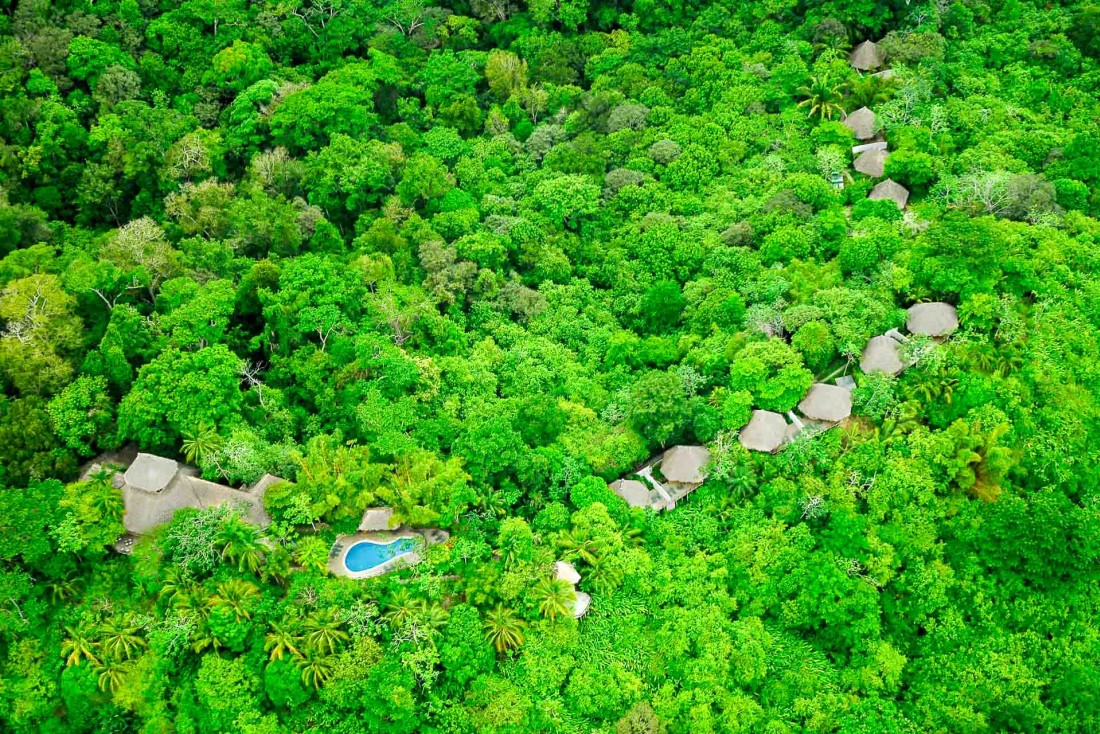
(932, 319)
(580, 604)
(564, 571)
(633, 492)
(210, 494)
(864, 147)
(881, 355)
(766, 431)
(892, 190)
(150, 473)
(375, 519)
(866, 56)
(267, 480)
(885, 74)
(826, 403)
(861, 123)
(871, 163)
(685, 464)
(146, 510)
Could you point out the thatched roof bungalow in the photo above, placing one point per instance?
(827, 403)
(932, 319)
(871, 163)
(766, 431)
(892, 190)
(154, 487)
(861, 123)
(866, 56)
(881, 355)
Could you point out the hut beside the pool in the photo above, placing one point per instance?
(376, 519)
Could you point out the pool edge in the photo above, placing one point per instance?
(386, 566)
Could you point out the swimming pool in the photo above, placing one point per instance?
(367, 554)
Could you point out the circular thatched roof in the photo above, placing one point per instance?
(932, 319)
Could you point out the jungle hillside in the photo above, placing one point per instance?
(288, 283)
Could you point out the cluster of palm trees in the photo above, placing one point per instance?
(243, 545)
(195, 603)
(404, 611)
(210, 611)
(312, 642)
(828, 98)
(555, 597)
(109, 648)
(239, 543)
(503, 628)
(598, 554)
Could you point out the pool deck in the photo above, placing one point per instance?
(338, 567)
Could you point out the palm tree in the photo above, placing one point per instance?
(201, 445)
(578, 545)
(120, 639)
(503, 628)
(64, 589)
(204, 638)
(276, 564)
(555, 597)
(495, 503)
(929, 386)
(823, 98)
(981, 355)
(77, 648)
(102, 475)
(282, 639)
(323, 633)
(871, 90)
(316, 669)
(1008, 360)
(236, 595)
(172, 584)
(902, 420)
(107, 501)
(311, 554)
(434, 617)
(240, 543)
(604, 575)
(995, 460)
(402, 608)
(111, 675)
(192, 602)
(631, 537)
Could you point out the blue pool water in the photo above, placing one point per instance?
(366, 554)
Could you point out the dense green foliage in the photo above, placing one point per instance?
(473, 261)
